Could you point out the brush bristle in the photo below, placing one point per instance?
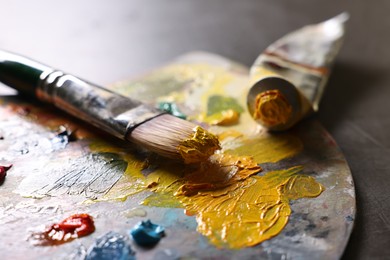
(175, 138)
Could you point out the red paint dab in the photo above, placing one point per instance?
(73, 227)
(3, 172)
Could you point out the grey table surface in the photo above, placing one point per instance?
(104, 41)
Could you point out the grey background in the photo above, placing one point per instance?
(104, 41)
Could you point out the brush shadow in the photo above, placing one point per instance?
(348, 85)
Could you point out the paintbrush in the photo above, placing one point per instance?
(123, 117)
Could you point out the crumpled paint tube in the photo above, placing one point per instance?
(289, 77)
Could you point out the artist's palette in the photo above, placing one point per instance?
(52, 179)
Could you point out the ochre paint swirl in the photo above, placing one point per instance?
(272, 108)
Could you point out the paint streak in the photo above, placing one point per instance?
(89, 175)
(162, 199)
(272, 108)
(73, 227)
(230, 134)
(147, 233)
(132, 180)
(199, 146)
(3, 172)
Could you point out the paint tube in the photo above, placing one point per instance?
(288, 79)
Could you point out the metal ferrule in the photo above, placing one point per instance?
(105, 109)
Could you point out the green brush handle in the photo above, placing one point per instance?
(103, 108)
(21, 73)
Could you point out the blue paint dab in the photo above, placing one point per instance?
(146, 233)
(349, 218)
(111, 246)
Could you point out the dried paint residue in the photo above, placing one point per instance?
(73, 227)
(90, 175)
(112, 245)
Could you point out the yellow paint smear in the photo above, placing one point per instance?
(224, 193)
(229, 134)
(230, 202)
(270, 148)
(251, 210)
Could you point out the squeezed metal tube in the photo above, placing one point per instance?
(289, 77)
